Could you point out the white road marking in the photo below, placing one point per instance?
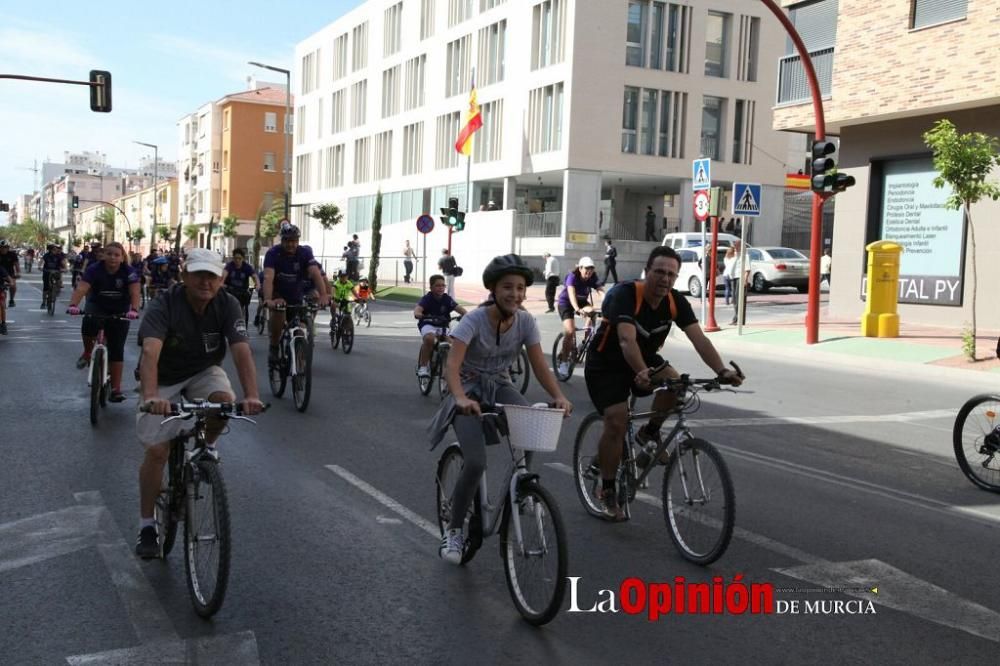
(904, 417)
(236, 649)
(386, 520)
(386, 501)
(31, 540)
(903, 592)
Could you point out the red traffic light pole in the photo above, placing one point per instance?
(815, 249)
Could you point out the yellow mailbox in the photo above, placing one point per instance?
(880, 319)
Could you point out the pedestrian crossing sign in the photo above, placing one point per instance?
(746, 199)
(701, 174)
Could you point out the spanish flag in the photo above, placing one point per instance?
(473, 121)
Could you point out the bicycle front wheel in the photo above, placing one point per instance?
(277, 376)
(51, 305)
(976, 438)
(302, 381)
(368, 318)
(261, 319)
(449, 471)
(206, 537)
(699, 504)
(439, 368)
(163, 511)
(347, 335)
(536, 566)
(96, 384)
(570, 360)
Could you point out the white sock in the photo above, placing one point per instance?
(146, 522)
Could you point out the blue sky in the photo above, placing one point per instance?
(166, 60)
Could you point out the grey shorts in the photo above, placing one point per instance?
(148, 426)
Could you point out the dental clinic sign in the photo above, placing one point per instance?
(914, 215)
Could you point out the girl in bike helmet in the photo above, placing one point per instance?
(484, 345)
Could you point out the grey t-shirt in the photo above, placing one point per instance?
(191, 343)
(484, 356)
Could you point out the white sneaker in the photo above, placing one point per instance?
(424, 371)
(563, 368)
(452, 546)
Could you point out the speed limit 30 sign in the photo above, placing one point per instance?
(701, 205)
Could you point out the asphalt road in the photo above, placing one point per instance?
(844, 479)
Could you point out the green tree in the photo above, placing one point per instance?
(138, 235)
(163, 231)
(267, 225)
(191, 232)
(30, 231)
(376, 241)
(107, 220)
(328, 215)
(963, 162)
(229, 226)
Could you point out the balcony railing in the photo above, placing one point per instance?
(792, 83)
(533, 225)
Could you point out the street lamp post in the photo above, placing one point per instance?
(156, 197)
(288, 112)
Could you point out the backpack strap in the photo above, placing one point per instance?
(640, 288)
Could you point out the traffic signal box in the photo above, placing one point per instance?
(825, 177)
(76, 202)
(452, 216)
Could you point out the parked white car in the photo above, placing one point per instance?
(688, 239)
(778, 267)
(691, 276)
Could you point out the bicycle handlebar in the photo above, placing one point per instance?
(685, 381)
(225, 409)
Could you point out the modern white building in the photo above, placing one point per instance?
(592, 111)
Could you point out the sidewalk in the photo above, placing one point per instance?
(840, 341)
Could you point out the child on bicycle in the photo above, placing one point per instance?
(435, 306)
(363, 291)
(484, 345)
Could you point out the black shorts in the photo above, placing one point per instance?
(566, 312)
(115, 334)
(609, 387)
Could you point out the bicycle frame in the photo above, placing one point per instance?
(296, 327)
(99, 345)
(680, 429)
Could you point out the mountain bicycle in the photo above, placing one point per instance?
(526, 516)
(98, 375)
(342, 328)
(263, 317)
(243, 296)
(976, 438)
(698, 497)
(439, 357)
(361, 313)
(295, 352)
(194, 492)
(54, 280)
(578, 353)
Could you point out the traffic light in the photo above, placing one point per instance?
(452, 216)
(452, 211)
(100, 91)
(822, 166)
(76, 201)
(460, 221)
(4, 207)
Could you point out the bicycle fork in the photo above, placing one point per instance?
(104, 364)
(293, 361)
(518, 477)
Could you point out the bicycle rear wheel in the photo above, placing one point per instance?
(976, 438)
(163, 511)
(571, 360)
(206, 537)
(96, 384)
(276, 374)
(302, 382)
(262, 317)
(51, 304)
(449, 470)
(699, 504)
(346, 335)
(536, 567)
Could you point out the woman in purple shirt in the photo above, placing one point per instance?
(573, 300)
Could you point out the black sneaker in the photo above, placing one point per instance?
(11, 304)
(146, 546)
(3, 328)
(82, 362)
(116, 396)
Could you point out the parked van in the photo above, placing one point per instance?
(683, 239)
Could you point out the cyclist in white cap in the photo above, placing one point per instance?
(575, 300)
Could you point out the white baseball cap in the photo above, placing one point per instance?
(585, 262)
(201, 259)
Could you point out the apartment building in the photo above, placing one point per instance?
(889, 71)
(133, 211)
(231, 161)
(592, 111)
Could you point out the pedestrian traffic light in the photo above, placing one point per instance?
(822, 166)
(460, 221)
(453, 211)
(76, 202)
(841, 181)
(100, 91)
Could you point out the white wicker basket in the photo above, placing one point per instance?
(533, 428)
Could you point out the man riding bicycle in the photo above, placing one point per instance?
(5, 283)
(637, 316)
(9, 262)
(183, 345)
(237, 277)
(77, 264)
(285, 266)
(53, 262)
(433, 307)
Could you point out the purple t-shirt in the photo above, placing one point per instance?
(290, 270)
(238, 279)
(582, 286)
(109, 291)
(435, 307)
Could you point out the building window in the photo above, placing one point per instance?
(457, 73)
(300, 134)
(338, 111)
(488, 141)
(711, 127)
(716, 44)
(269, 162)
(303, 173)
(749, 48)
(931, 12)
(743, 119)
(458, 11)
(647, 129)
(673, 111)
(445, 156)
(413, 96)
(413, 148)
(339, 68)
(492, 48)
(319, 118)
(383, 156)
(310, 72)
(630, 120)
(545, 118)
(359, 53)
(335, 166)
(361, 160)
(426, 18)
(225, 160)
(635, 34)
(548, 33)
(270, 121)
(390, 92)
(359, 103)
(392, 35)
(225, 119)
(489, 4)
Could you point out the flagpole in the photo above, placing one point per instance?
(468, 161)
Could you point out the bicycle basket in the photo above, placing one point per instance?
(533, 428)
